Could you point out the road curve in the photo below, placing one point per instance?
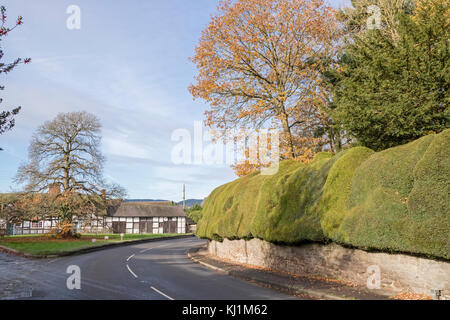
(152, 271)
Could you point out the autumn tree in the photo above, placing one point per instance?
(8, 208)
(65, 169)
(259, 64)
(7, 121)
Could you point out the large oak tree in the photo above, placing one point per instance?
(259, 64)
(65, 168)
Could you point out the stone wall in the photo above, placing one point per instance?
(397, 272)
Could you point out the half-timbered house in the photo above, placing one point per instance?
(146, 218)
(128, 217)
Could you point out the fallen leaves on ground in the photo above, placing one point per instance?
(307, 276)
(412, 296)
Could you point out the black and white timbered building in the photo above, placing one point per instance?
(146, 218)
(129, 217)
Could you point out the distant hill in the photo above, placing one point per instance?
(145, 200)
(191, 202)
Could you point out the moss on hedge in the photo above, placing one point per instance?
(378, 214)
(429, 200)
(278, 208)
(337, 189)
(394, 200)
(286, 204)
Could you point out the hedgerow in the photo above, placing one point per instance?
(393, 200)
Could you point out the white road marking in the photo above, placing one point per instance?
(131, 271)
(130, 257)
(51, 261)
(161, 293)
(145, 250)
(134, 274)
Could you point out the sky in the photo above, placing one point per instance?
(128, 64)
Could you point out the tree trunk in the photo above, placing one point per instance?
(66, 170)
(287, 131)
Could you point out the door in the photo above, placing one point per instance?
(143, 227)
(170, 227)
(150, 226)
(146, 226)
(119, 227)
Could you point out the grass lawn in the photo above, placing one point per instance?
(44, 244)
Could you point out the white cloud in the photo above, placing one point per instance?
(120, 146)
(133, 76)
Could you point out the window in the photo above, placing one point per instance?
(36, 224)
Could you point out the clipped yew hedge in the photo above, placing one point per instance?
(395, 200)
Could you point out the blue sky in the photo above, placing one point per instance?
(129, 65)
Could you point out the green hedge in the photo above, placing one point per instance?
(195, 215)
(377, 215)
(400, 199)
(278, 208)
(393, 200)
(337, 190)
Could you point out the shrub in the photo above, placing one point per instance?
(333, 205)
(429, 200)
(394, 200)
(399, 199)
(63, 230)
(195, 215)
(286, 208)
(278, 208)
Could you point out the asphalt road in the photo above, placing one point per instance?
(152, 271)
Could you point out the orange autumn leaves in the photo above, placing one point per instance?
(259, 64)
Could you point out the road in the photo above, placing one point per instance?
(152, 271)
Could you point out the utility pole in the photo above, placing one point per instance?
(184, 196)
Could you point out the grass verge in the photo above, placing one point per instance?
(45, 245)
